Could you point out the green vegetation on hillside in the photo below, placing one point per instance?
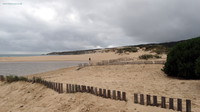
(184, 60)
(126, 49)
(149, 56)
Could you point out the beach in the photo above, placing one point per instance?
(131, 78)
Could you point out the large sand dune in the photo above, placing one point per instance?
(146, 79)
(137, 78)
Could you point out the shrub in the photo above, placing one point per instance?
(149, 56)
(197, 67)
(127, 49)
(157, 56)
(146, 56)
(182, 58)
(12, 78)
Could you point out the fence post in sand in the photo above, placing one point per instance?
(83, 88)
(96, 91)
(118, 95)
(100, 92)
(163, 102)
(59, 88)
(78, 88)
(70, 88)
(148, 100)
(141, 99)
(109, 94)
(135, 98)
(179, 104)
(155, 101)
(62, 88)
(124, 96)
(67, 88)
(104, 93)
(92, 90)
(171, 103)
(114, 95)
(88, 89)
(188, 105)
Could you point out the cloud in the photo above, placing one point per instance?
(46, 26)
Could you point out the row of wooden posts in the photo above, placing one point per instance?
(110, 62)
(74, 88)
(154, 101)
(148, 100)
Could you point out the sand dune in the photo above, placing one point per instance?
(145, 79)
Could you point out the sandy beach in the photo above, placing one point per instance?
(137, 78)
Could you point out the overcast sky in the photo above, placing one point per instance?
(42, 26)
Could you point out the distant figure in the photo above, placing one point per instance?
(89, 60)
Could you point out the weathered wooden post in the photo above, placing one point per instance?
(70, 88)
(179, 104)
(104, 93)
(148, 100)
(79, 88)
(67, 88)
(96, 91)
(118, 95)
(114, 95)
(100, 92)
(124, 96)
(62, 88)
(88, 89)
(109, 94)
(188, 105)
(73, 88)
(163, 102)
(171, 103)
(155, 101)
(92, 90)
(141, 99)
(135, 98)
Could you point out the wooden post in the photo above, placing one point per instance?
(155, 101)
(171, 103)
(84, 88)
(67, 88)
(104, 93)
(92, 90)
(118, 95)
(141, 99)
(163, 102)
(79, 88)
(148, 100)
(179, 104)
(114, 95)
(59, 88)
(62, 88)
(109, 94)
(88, 89)
(124, 96)
(188, 105)
(135, 98)
(95, 91)
(70, 88)
(73, 88)
(100, 92)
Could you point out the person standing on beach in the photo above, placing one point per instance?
(89, 60)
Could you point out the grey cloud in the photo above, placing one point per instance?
(45, 26)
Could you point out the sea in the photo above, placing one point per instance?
(27, 68)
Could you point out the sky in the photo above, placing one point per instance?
(43, 26)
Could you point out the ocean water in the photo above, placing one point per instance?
(19, 55)
(26, 68)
